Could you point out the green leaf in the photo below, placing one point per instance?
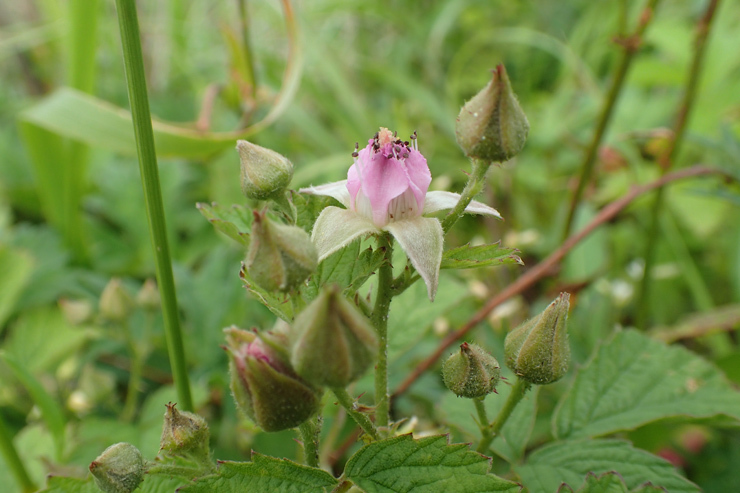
(633, 380)
(153, 483)
(469, 257)
(263, 473)
(277, 304)
(430, 464)
(609, 482)
(42, 338)
(235, 221)
(15, 272)
(407, 326)
(570, 461)
(348, 267)
(459, 414)
(51, 411)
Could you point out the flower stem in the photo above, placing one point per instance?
(485, 425)
(474, 185)
(630, 44)
(137, 92)
(379, 320)
(13, 460)
(517, 393)
(361, 419)
(310, 437)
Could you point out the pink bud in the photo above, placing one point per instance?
(389, 179)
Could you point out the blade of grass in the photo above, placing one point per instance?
(13, 460)
(137, 92)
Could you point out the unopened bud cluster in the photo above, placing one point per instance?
(264, 173)
(119, 469)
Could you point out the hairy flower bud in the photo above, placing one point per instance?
(492, 126)
(264, 173)
(332, 342)
(472, 372)
(119, 469)
(537, 351)
(280, 257)
(115, 302)
(264, 385)
(185, 434)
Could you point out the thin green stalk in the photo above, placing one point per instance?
(485, 425)
(13, 460)
(515, 397)
(247, 46)
(379, 320)
(472, 188)
(630, 45)
(348, 403)
(310, 437)
(668, 158)
(137, 92)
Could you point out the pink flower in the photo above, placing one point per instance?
(387, 190)
(389, 180)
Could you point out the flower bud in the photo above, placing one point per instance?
(264, 173)
(185, 434)
(264, 385)
(492, 125)
(332, 342)
(472, 372)
(148, 295)
(280, 257)
(115, 302)
(119, 469)
(537, 351)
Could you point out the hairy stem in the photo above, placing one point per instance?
(668, 157)
(630, 45)
(379, 320)
(472, 188)
(485, 425)
(309, 430)
(544, 268)
(142, 120)
(515, 397)
(348, 403)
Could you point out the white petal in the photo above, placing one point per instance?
(422, 239)
(440, 201)
(337, 189)
(336, 228)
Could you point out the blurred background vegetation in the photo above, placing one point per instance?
(72, 214)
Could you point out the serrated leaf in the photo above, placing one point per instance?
(309, 207)
(263, 473)
(348, 268)
(459, 414)
(430, 464)
(609, 482)
(570, 461)
(469, 257)
(153, 483)
(235, 221)
(633, 380)
(277, 304)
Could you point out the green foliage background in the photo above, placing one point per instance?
(72, 213)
